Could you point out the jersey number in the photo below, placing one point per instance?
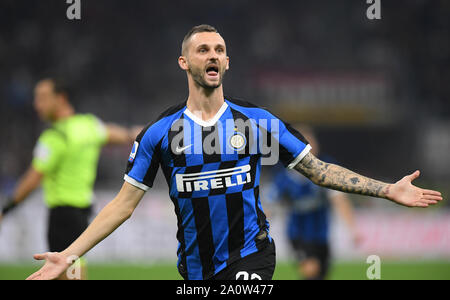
(243, 275)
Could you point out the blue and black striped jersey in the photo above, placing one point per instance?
(212, 169)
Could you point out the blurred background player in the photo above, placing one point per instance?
(309, 205)
(65, 161)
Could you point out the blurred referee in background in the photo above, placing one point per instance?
(65, 161)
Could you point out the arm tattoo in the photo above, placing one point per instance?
(338, 178)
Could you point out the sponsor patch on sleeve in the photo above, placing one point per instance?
(133, 152)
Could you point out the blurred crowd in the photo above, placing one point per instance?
(121, 58)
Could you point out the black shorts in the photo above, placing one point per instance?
(65, 225)
(256, 266)
(320, 251)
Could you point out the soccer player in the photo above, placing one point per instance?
(222, 230)
(65, 161)
(308, 207)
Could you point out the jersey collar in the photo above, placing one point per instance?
(211, 121)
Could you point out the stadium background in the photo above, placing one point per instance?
(377, 92)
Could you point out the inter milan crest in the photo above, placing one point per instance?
(238, 141)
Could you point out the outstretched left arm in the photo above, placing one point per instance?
(118, 135)
(338, 178)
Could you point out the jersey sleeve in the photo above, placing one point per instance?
(144, 159)
(293, 146)
(100, 130)
(48, 151)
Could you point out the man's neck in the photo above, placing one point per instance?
(205, 103)
(64, 113)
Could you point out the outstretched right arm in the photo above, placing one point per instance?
(338, 178)
(109, 218)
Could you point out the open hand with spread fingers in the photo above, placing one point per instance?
(55, 264)
(403, 192)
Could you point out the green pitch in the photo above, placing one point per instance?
(340, 270)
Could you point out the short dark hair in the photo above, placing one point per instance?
(60, 86)
(194, 30)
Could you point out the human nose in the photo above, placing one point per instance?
(213, 56)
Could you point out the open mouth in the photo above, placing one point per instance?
(212, 70)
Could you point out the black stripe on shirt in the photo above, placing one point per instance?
(167, 171)
(259, 212)
(205, 240)
(179, 159)
(235, 213)
(153, 167)
(183, 268)
(253, 165)
(211, 142)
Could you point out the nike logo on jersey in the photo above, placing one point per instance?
(217, 179)
(179, 150)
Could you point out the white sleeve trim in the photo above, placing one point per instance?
(300, 156)
(136, 183)
(103, 130)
